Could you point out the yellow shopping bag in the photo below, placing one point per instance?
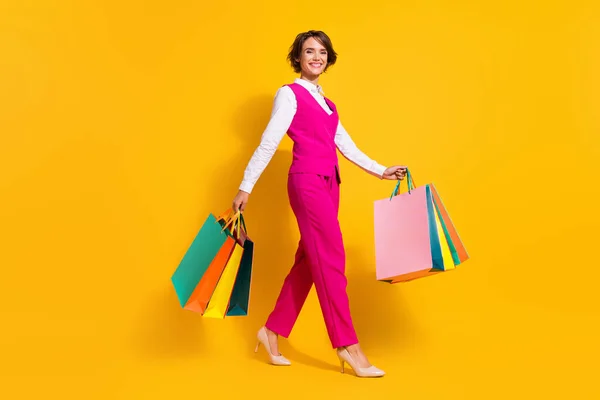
(446, 254)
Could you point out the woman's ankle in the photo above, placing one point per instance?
(349, 347)
(270, 332)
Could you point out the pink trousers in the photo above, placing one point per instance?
(320, 259)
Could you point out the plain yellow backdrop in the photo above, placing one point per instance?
(124, 123)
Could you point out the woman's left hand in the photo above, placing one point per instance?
(397, 172)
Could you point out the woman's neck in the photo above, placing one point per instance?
(314, 79)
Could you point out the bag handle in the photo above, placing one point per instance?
(225, 215)
(236, 220)
(409, 181)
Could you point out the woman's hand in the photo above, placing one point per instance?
(240, 201)
(397, 172)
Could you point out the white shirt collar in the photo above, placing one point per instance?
(310, 86)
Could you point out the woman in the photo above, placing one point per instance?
(312, 122)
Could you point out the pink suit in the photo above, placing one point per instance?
(313, 190)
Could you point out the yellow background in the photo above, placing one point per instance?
(125, 122)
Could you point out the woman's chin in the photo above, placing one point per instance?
(313, 73)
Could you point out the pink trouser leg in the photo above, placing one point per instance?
(296, 287)
(320, 259)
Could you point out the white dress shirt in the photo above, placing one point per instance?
(282, 114)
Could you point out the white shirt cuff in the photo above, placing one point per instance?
(379, 170)
(246, 187)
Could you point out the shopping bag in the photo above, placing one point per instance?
(240, 296)
(205, 288)
(238, 303)
(457, 248)
(414, 236)
(219, 301)
(218, 304)
(447, 259)
(202, 251)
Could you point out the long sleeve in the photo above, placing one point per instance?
(282, 114)
(348, 148)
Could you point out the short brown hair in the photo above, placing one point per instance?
(296, 48)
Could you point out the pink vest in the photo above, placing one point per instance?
(313, 132)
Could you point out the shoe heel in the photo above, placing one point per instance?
(262, 339)
(341, 362)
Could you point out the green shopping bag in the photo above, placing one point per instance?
(203, 249)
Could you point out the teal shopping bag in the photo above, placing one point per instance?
(240, 296)
(437, 260)
(203, 249)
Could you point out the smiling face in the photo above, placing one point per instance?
(311, 54)
(313, 58)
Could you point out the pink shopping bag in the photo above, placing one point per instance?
(410, 239)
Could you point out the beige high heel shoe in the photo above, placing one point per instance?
(371, 372)
(263, 338)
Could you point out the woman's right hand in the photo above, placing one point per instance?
(240, 201)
